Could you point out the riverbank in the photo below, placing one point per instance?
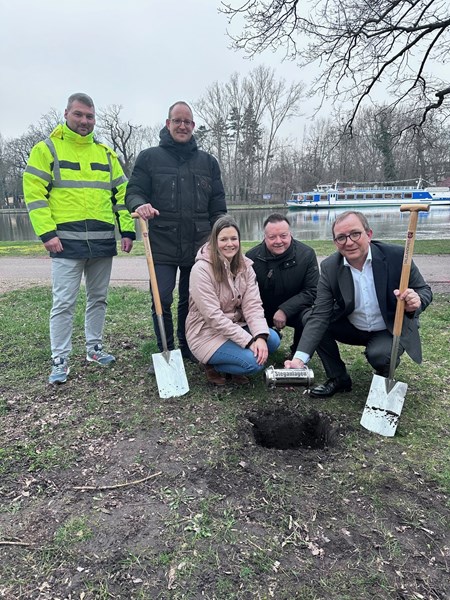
(309, 226)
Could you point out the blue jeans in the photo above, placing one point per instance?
(231, 358)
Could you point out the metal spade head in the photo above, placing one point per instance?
(384, 405)
(170, 374)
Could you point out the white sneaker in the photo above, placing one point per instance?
(98, 355)
(60, 370)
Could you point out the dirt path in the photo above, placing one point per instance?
(21, 272)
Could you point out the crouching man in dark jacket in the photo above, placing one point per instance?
(287, 272)
(178, 188)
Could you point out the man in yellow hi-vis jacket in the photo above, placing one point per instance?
(74, 189)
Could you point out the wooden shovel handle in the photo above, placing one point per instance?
(150, 263)
(414, 210)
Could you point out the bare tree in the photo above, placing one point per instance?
(371, 154)
(123, 137)
(242, 119)
(149, 135)
(4, 167)
(17, 150)
(360, 48)
(280, 102)
(285, 174)
(49, 121)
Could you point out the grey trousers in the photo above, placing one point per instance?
(66, 280)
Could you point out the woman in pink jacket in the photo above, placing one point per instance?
(225, 328)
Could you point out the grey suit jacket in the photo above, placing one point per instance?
(336, 297)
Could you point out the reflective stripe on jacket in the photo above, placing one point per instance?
(75, 189)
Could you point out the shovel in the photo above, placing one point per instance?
(169, 367)
(386, 396)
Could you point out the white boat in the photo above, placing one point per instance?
(363, 195)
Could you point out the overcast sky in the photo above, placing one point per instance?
(143, 54)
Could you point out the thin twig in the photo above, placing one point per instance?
(9, 543)
(256, 546)
(94, 488)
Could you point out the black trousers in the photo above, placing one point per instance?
(378, 346)
(166, 276)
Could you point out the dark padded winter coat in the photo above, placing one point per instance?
(288, 281)
(185, 185)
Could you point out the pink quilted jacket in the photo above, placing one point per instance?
(219, 311)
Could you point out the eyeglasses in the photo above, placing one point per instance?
(354, 236)
(186, 122)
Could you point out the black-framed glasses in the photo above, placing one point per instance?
(186, 122)
(354, 236)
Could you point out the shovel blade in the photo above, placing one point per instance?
(170, 374)
(383, 408)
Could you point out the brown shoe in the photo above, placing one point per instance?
(213, 376)
(240, 380)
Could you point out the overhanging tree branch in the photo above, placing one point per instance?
(440, 95)
(359, 47)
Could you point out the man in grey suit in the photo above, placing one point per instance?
(356, 301)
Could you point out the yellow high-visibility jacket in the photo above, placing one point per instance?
(74, 188)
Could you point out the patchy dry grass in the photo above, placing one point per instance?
(107, 491)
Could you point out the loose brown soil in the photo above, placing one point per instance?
(127, 496)
(285, 430)
(107, 491)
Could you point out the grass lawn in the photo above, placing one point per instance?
(322, 247)
(107, 491)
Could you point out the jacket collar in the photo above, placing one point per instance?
(181, 151)
(345, 280)
(63, 132)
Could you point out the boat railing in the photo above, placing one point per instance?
(378, 188)
(341, 187)
(343, 190)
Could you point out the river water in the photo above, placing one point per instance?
(387, 223)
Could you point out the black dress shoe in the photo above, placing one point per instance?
(332, 386)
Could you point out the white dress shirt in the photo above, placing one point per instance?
(366, 315)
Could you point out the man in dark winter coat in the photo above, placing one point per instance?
(356, 302)
(178, 189)
(287, 274)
